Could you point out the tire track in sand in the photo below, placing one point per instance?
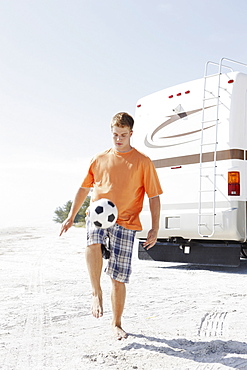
(213, 324)
(37, 339)
(218, 350)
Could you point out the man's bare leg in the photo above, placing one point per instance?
(94, 265)
(118, 299)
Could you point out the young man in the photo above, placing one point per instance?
(123, 175)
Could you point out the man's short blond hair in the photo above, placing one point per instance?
(122, 119)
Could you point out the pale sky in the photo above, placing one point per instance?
(67, 66)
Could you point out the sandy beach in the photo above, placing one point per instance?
(178, 316)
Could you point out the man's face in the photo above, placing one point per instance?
(121, 138)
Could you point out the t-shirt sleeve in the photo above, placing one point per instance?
(88, 180)
(151, 181)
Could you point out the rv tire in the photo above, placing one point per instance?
(244, 252)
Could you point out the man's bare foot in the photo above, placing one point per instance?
(97, 307)
(119, 333)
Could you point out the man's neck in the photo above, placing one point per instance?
(123, 151)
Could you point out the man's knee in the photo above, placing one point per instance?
(94, 246)
(93, 249)
(117, 284)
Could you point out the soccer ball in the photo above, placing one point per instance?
(103, 213)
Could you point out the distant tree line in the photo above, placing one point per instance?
(61, 213)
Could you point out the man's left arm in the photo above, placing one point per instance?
(154, 204)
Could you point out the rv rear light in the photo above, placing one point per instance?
(139, 105)
(230, 81)
(179, 94)
(170, 96)
(187, 92)
(233, 189)
(233, 177)
(234, 183)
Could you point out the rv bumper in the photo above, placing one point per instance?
(197, 252)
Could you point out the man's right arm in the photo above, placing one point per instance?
(76, 205)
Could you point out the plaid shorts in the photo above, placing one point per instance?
(119, 241)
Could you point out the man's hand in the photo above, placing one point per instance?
(151, 239)
(76, 205)
(66, 225)
(154, 204)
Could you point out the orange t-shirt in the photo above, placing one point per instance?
(124, 178)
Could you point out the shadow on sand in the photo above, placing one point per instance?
(241, 269)
(215, 351)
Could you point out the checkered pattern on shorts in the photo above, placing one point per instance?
(119, 241)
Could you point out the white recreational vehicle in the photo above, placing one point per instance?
(196, 135)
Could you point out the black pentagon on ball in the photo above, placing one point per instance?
(97, 223)
(111, 218)
(111, 204)
(99, 210)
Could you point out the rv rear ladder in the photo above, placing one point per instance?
(211, 98)
(205, 168)
(208, 121)
(210, 143)
(208, 174)
(207, 189)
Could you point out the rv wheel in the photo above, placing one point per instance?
(244, 252)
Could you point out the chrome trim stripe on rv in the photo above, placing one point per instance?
(177, 207)
(195, 158)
